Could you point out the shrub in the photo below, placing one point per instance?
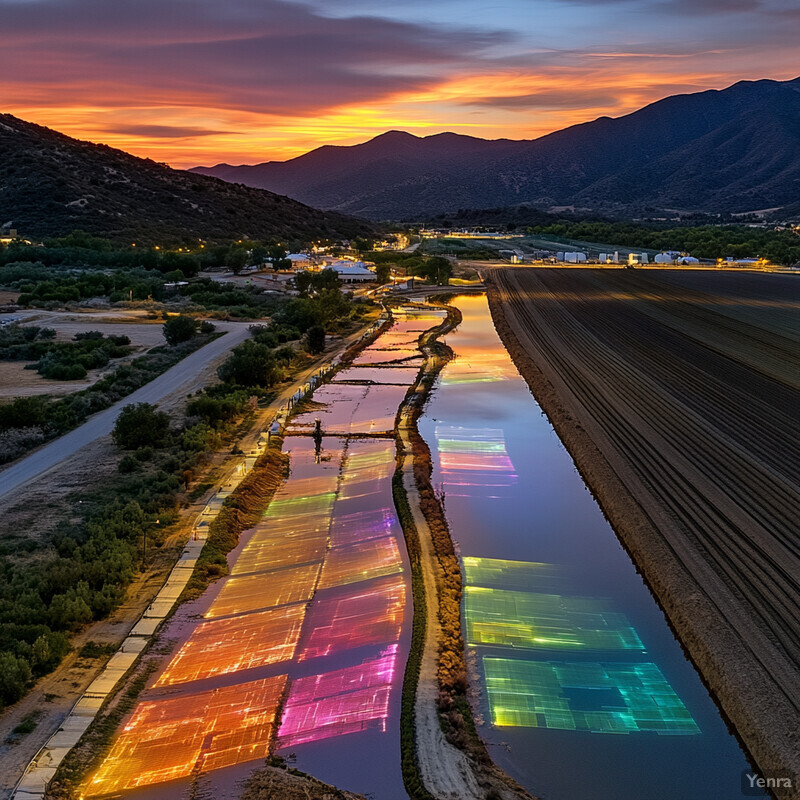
(250, 364)
(141, 425)
(179, 329)
(315, 339)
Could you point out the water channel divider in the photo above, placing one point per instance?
(43, 767)
(440, 766)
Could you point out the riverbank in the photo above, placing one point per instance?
(694, 523)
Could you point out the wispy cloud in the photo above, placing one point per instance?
(193, 81)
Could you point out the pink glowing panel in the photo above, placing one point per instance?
(341, 702)
(361, 526)
(405, 357)
(404, 375)
(354, 408)
(370, 614)
(223, 646)
(360, 562)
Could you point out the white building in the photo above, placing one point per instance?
(352, 272)
(300, 261)
(575, 258)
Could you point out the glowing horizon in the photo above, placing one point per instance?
(242, 82)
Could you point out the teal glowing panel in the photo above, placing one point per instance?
(598, 698)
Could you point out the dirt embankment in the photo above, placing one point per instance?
(693, 455)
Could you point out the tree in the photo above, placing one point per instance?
(315, 339)
(382, 273)
(309, 283)
(276, 255)
(250, 364)
(438, 270)
(179, 329)
(236, 259)
(140, 425)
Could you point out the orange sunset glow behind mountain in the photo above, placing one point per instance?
(201, 82)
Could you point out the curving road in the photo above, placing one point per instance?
(169, 382)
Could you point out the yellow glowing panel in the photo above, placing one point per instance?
(169, 739)
(288, 551)
(222, 646)
(265, 590)
(361, 561)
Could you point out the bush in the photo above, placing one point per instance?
(250, 364)
(15, 674)
(315, 339)
(179, 329)
(128, 464)
(207, 326)
(141, 425)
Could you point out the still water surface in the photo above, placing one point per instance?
(585, 694)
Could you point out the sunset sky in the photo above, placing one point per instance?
(201, 81)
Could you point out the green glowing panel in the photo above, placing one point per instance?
(598, 698)
(522, 575)
(280, 508)
(532, 620)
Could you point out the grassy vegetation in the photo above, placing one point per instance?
(423, 264)
(60, 360)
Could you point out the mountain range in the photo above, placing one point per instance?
(51, 184)
(735, 150)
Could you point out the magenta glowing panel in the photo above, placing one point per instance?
(404, 375)
(371, 613)
(353, 408)
(340, 702)
(360, 526)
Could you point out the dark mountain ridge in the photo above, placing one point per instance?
(51, 184)
(734, 150)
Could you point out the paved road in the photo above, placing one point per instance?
(101, 423)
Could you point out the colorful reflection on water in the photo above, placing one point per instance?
(315, 611)
(565, 640)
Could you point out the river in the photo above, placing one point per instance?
(583, 691)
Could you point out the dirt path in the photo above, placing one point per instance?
(445, 770)
(693, 456)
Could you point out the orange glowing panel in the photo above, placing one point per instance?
(230, 645)
(370, 614)
(265, 590)
(169, 739)
(360, 562)
(275, 553)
